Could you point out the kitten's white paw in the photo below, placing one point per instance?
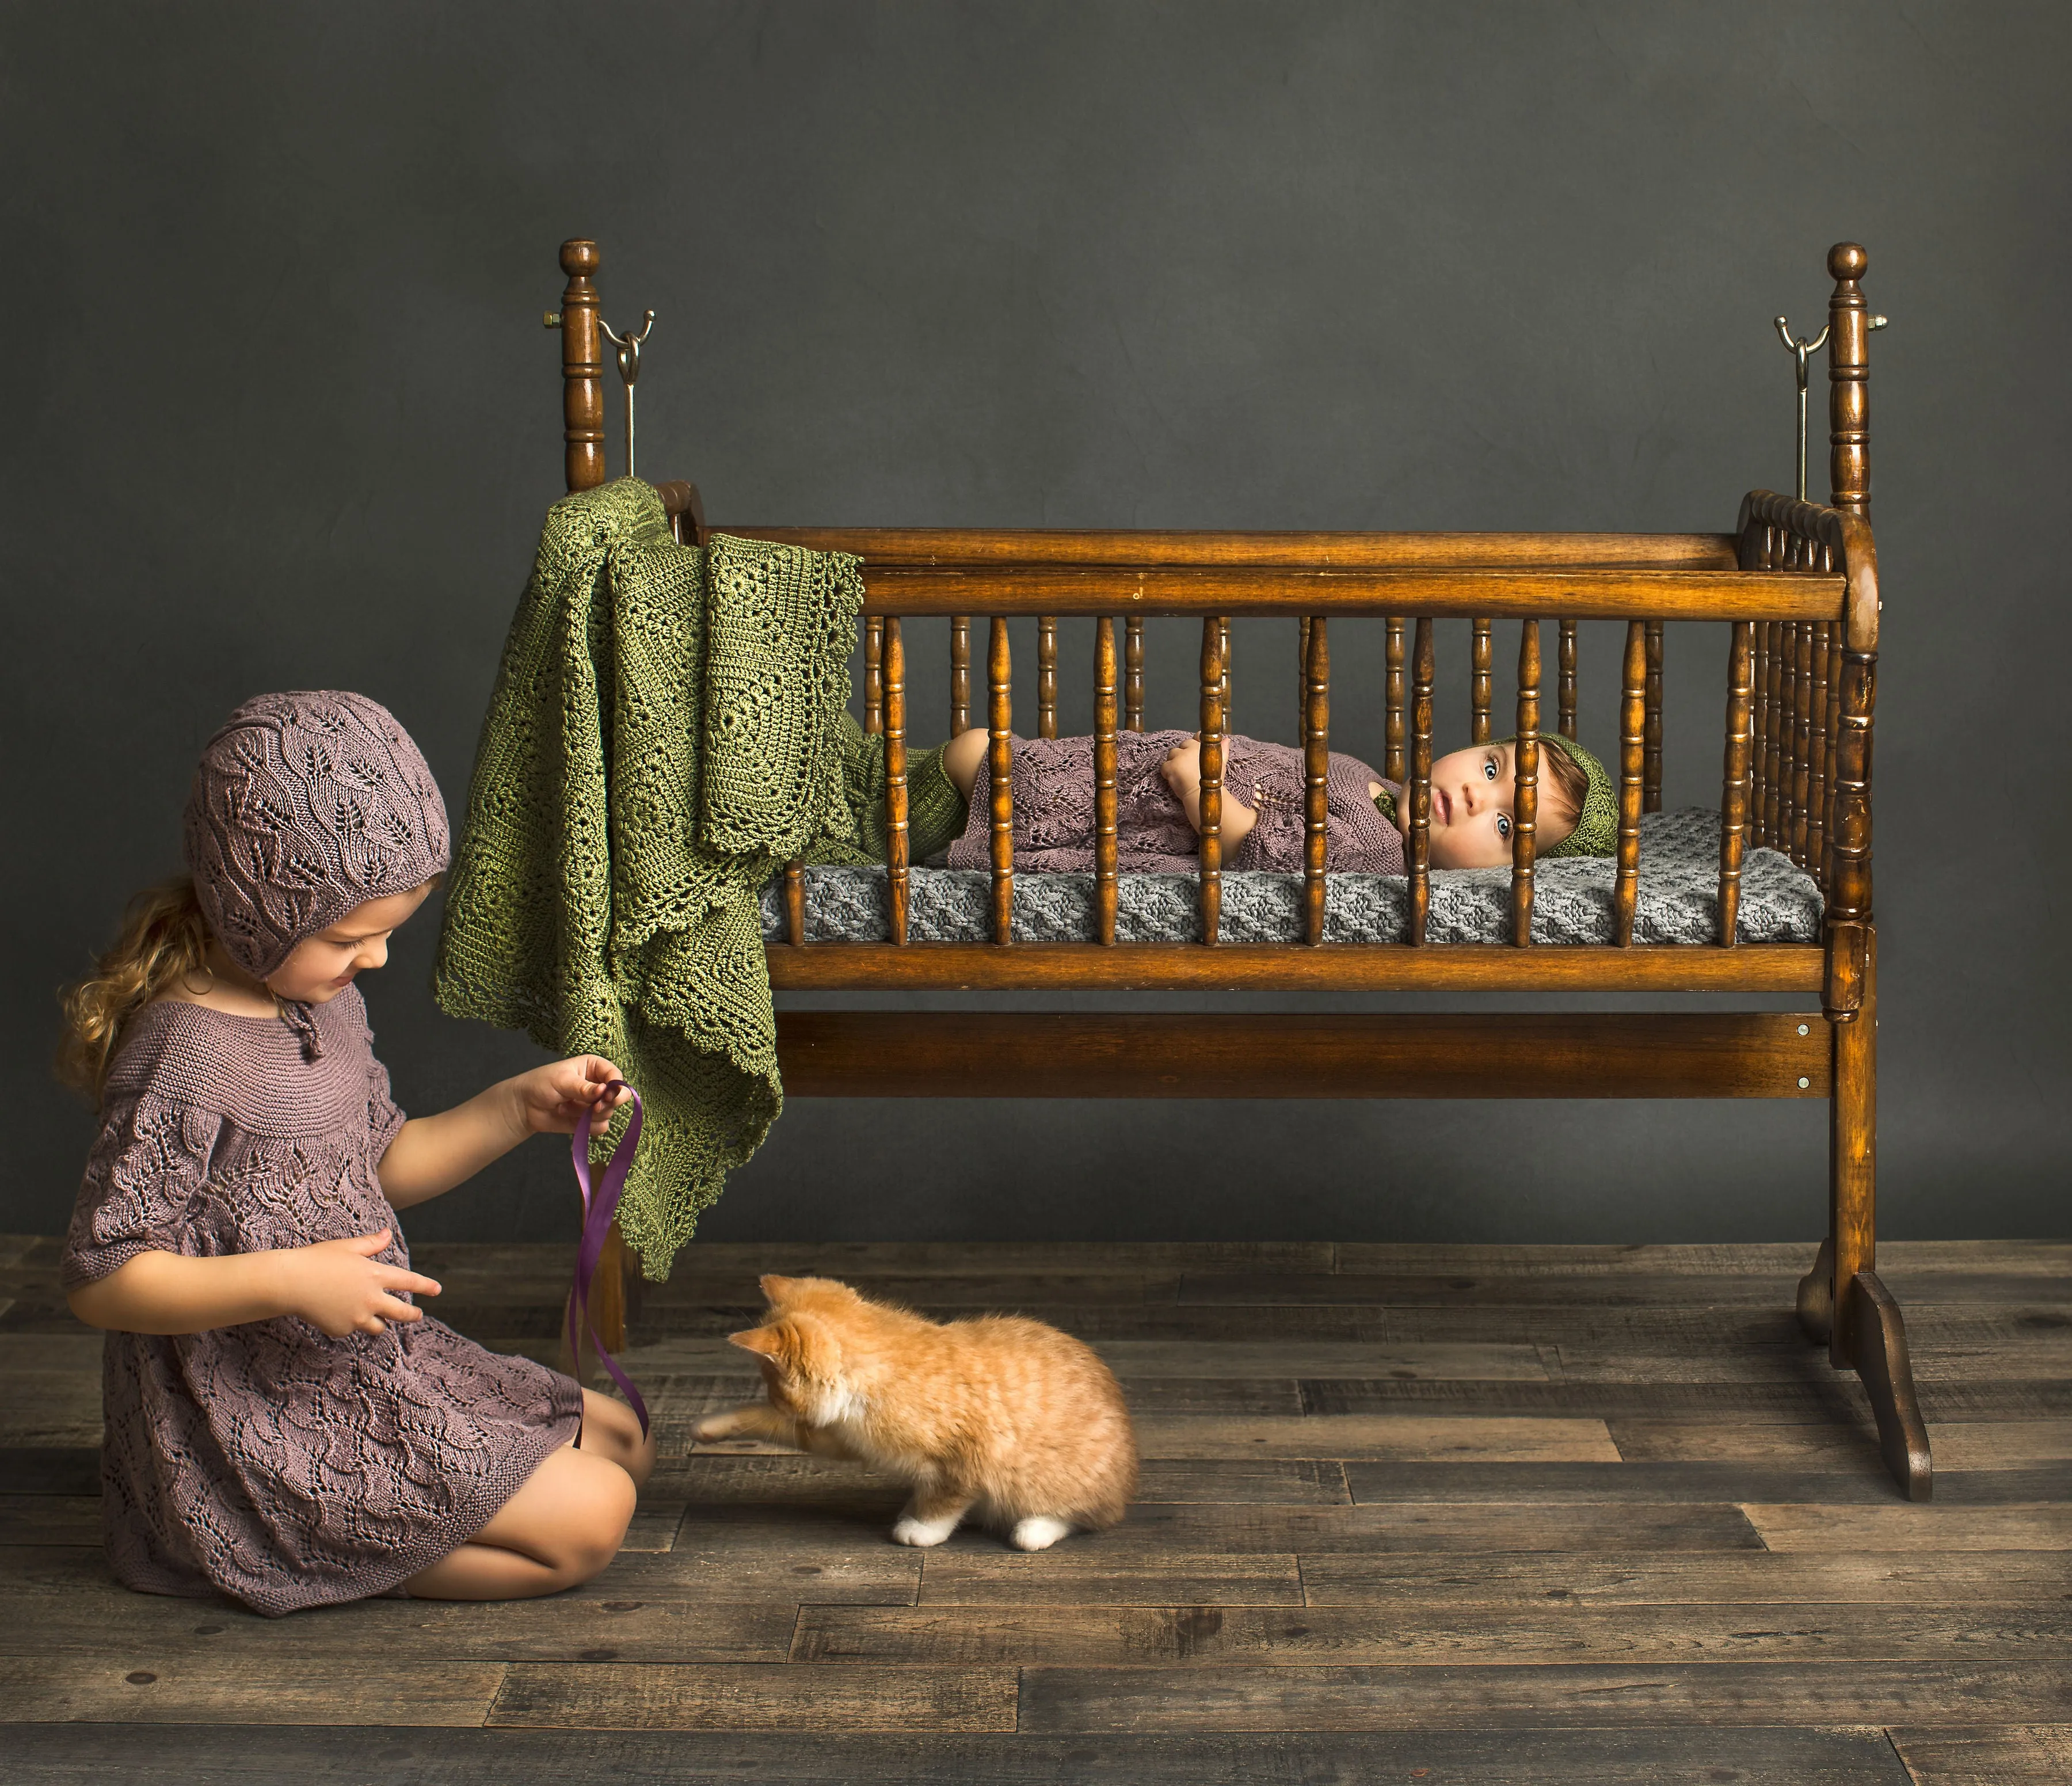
(922, 1533)
(1038, 1532)
(711, 1427)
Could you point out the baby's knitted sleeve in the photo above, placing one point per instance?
(144, 1189)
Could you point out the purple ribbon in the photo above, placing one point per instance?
(600, 1205)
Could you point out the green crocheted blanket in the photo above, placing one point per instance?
(669, 725)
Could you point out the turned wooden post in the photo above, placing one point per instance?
(1566, 689)
(582, 369)
(1316, 771)
(1132, 673)
(1420, 840)
(1650, 780)
(1479, 683)
(999, 764)
(960, 674)
(1734, 788)
(1626, 891)
(873, 675)
(1047, 676)
(895, 777)
(1105, 885)
(1393, 762)
(1211, 794)
(1525, 801)
(1801, 742)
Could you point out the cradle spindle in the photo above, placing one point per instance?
(895, 778)
(1801, 742)
(1734, 783)
(874, 674)
(1315, 770)
(1420, 790)
(960, 674)
(582, 369)
(1525, 803)
(1816, 778)
(1626, 891)
(1566, 690)
(1105, 885)
(1132, 673)
(1047, 676)
(795, 903)
(1478, 684)
(1210, 794)
(1391, 767)
(1650, 789)
(1000, 765)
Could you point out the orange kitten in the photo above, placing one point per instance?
(1000, 1417)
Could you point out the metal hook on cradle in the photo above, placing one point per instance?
(629, 369)
(1800, 349)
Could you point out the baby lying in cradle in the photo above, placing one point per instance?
(1157, 784)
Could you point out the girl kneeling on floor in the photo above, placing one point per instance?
(284, 1424)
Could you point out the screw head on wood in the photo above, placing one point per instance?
(1803, 1082)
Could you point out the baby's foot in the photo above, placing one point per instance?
(922, 1533)
(1038, 1532)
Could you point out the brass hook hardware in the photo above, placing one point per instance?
(1800, 349)
(552, 319)
(629, 369)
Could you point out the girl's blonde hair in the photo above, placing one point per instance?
(163, 938)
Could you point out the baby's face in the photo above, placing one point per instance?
(320, 967)
(1472, 794)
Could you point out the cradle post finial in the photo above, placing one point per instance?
(582, 368)
(629, 369)
(1849, 324)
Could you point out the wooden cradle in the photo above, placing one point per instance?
(1797, 584)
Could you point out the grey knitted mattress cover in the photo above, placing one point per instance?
(1679, 901)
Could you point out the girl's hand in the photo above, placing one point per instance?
(339, 1287)
(1182, 772)
(551, 1098)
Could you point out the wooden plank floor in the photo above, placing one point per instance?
(1443, 1514)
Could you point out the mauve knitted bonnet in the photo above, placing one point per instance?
(304, 806)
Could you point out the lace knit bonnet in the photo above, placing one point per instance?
(304, 806)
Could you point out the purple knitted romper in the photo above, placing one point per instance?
(267, 1461)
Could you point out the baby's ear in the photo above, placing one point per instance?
(775, 1289)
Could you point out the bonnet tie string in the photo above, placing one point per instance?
(302, 1021)
(600, 1203)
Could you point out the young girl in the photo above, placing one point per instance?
(284, 1424)
(1158, 778)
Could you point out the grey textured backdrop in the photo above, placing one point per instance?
(281, 413)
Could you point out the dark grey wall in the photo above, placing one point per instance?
(281, 413)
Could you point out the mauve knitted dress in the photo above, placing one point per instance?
(1054, 810)
(267, 1461)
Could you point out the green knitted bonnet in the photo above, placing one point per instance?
(1596, 825)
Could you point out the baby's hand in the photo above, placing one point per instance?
(339, 1287)
(1182, 771)
(551, 1098)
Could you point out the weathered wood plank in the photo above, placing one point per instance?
(1901, 1525)
(1549, 1634)
(50, 1469)
(1458, 1482)
(1962, 1445)
(790, 1479)
(1643, 1578)
(967, 1293)
(1070, 1575)
(1397, 1527)
(1141, 1700)
(1750, 1755)
(1594, 1289)
(2007, 1755)
(143, 1684)
(1408, 1436)
(850, 1260)
(1821, 1395)
(750, 1695)
(50, 1519)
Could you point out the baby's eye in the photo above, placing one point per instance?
(1488, 770)
(1502, 827)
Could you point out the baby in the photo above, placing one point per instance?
(1158, 778)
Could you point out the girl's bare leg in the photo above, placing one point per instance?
(961, 756)
(561, 1527)
(611, 1429)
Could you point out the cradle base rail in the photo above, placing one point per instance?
(1054, 1054)
(1293, 967)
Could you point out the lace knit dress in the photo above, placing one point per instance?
(1054, 810)
(266, 1461)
